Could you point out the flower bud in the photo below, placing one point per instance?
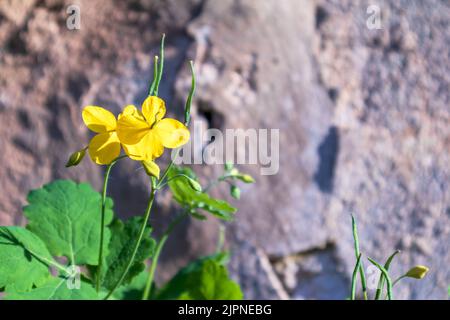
(235, 192)
(75, 158)
(194, 184)
(151, 168)
(417, 272)
(228, 166)
(247, 178)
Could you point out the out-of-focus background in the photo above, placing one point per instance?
(363, 113)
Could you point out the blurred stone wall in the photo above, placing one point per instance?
(363, 117)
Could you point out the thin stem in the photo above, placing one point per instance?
(357, 253)
(52, 263)
(138, 240)
(221, 239)
(164, 175)
(161, 66)
(381, 280)
(161, 184)
(159, 246)
(397, 280)
(187, 108)
(102, 223)
(155, 77)
(354, 275)
(386, 275)
(217, 181)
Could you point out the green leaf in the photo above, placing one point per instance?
(204, 279)
(55, 289)
(23, 259)
(123, 237)
(197, 215)
(187, 197)
(66, 216)
(132, 290)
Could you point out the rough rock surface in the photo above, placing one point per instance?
(363, 117)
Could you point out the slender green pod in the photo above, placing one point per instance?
(386, 275)
(357, 253)
(381, 280)
(155, 77)
(354, 275)
(160, 66)
(187, 108)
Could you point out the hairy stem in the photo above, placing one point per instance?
(102, 223)
(159, 246)
(138, 240)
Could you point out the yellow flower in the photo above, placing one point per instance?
(144, 134)
(105, 146)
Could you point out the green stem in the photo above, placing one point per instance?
(397, 280)
(102, 223)
(138, 240)
(159, 246)
(386, 275)
(187, 108)
(161, 184)
(357, 253)
(164, 175)
(155, 77)
(355, 273)
(221, 239)
(381, 280)
(217, 181)
(160, 66)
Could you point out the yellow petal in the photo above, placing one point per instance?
(151, 168)
(128, 110)
(417, 272)
(172, 133)
(98, 119)
(153, 109)
(131, 129)
(104, 148)
(149, 148)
